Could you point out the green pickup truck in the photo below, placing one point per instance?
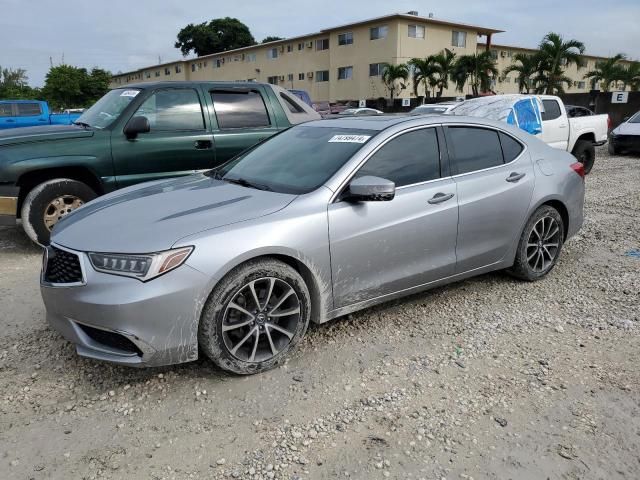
(135, 134)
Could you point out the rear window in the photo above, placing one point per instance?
(5, 110)
(240, 109)
(551, 110)
(475, 148)
(29, 109)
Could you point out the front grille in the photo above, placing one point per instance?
(111, 339)
(62, 266)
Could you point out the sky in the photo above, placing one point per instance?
(123, 35)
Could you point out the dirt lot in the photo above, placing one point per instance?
(488, 378)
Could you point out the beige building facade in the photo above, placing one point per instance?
(345, 62)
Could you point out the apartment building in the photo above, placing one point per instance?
(345, 62)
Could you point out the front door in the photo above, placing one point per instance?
(555, 126)
(178, 143)
(379, 248)
(243, 120)
(494, 177)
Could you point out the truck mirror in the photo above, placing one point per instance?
(135, 126)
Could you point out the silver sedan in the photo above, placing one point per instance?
(321, 220)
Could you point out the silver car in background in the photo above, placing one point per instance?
(321, 220)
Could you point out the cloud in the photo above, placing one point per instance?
(125, 35)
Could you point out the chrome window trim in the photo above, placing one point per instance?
(81, 259)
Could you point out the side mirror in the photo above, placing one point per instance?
(135, 126)
(371, 189)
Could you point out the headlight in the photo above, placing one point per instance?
(143, 267)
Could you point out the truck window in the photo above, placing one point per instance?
(173, 109)
(551, 110)
(239, 109)
(29, 109)
(5, 110)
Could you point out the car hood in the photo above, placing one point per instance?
(151, 217)
(12, 136)
(627, 128)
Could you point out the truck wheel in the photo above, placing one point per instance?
(585, 152)
(50, 201)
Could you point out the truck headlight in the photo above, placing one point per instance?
(143, 267)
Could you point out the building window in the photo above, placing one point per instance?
(289, 48)
(157, 73)
(416, 31)
(458, 39)
(290, 77)
(376, 33)
(300, 46)
(272, 53)
(376, 69)
(322, 44)
(345, 73)
(146, 75)
(494, 54)
(272, 80)
(178, 69)
(507, 79)
(322, 76)
(251, 57)
(167, 71)
(581, 85)
(301, 76)
(193, 67)
(345, 38)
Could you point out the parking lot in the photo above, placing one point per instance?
(530, 380)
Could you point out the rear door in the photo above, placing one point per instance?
(30, 114)
(378, 248)
(7, 116)
(179, 142)
(555, 125)
(495, 179)
(243, 117)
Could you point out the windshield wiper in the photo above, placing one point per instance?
(82, 124)
(214, 173)
(246, 183)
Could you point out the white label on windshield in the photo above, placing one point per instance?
(130, 93)
(349, 138)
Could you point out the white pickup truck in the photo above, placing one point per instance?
(577, 135)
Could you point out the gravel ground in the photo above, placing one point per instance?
(488, 378)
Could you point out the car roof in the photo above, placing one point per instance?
(146, 85)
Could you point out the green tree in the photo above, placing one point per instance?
(218, 35)
(67, 86)
(424, 71)
(390, 76)
(478, 69)
(631, 76)
(444, 61)
(526, 66)
(13, 85)
(556, 54)
(608, 71)
(271, 38)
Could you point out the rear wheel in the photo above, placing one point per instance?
(585, 153)
(255, 316)
(540, 245)
(46, 204)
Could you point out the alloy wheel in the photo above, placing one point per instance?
(60, 207)
(543, 244)
(261, 319)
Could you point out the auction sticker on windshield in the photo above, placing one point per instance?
(349, 138)
(130, 93)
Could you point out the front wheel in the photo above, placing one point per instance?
(255, 316)
(540, 245)
(46, 204)
(612, 149)
(585, 153)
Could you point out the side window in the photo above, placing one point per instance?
(241, 109)
(29, 109)
(5, 110)
(474, 148)
(511, 148)
(551, 110)
(173, 109)
(410, 158)
(291, 104)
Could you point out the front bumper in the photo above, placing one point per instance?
(625, 142)
(128, 322)
(8, 204)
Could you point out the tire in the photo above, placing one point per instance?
(41, 202)
(225, 331)
(612, 149)
(585, 153)
(533, 262)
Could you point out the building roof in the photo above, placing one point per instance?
(527, 49)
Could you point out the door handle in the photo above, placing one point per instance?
(440, 197)
(562, 126)
(515, 177)
(203, 144)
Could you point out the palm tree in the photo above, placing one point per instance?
(555, 55)
(608, 71)
(424, 70)
(391, 74)
(631, 76)
(444, 61)
(528, 65)
(478, 68)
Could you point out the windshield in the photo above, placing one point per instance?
(108, 108)
(635, 118)
(297, 160)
